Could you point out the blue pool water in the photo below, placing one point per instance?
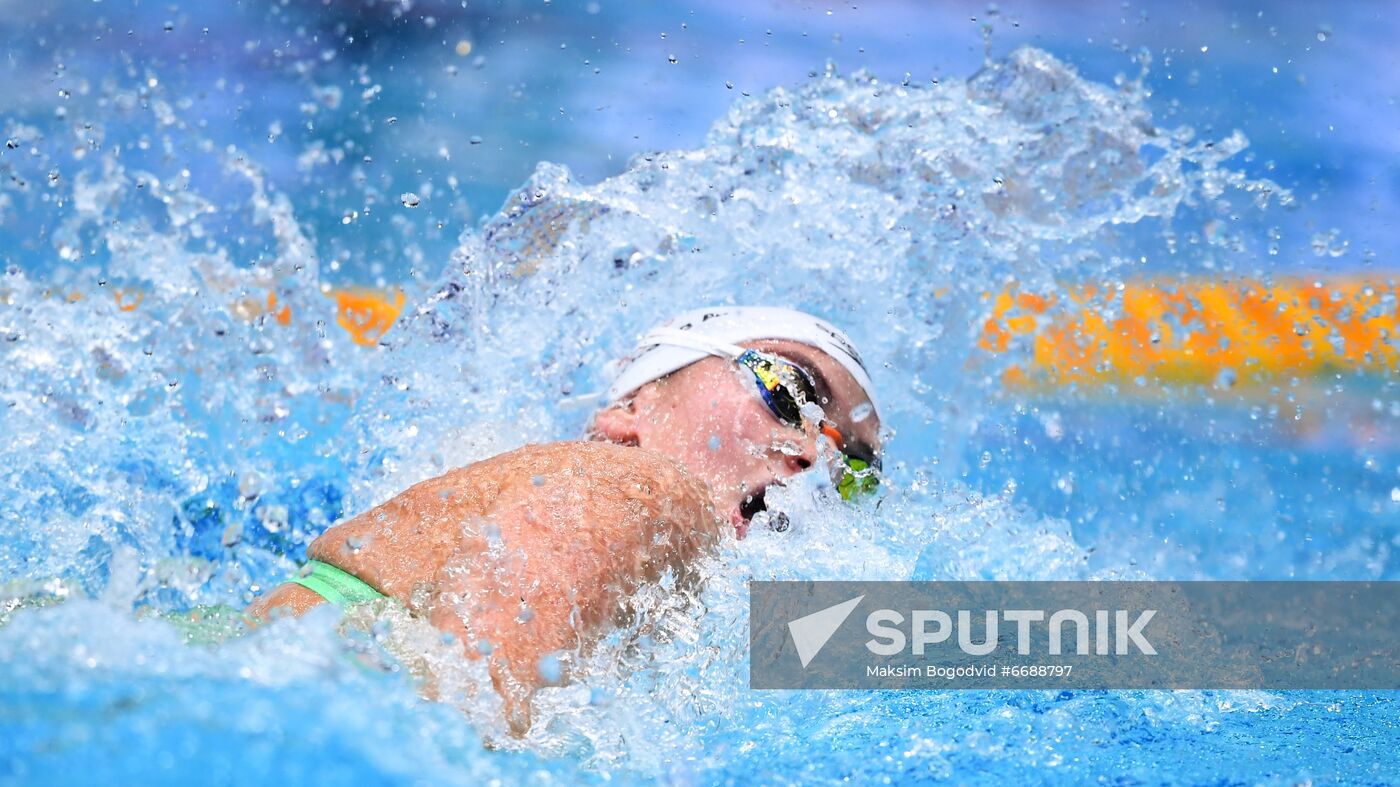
(183, 453)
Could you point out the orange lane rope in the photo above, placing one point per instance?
(128, 299)
(367, 314)
(1186, 332)
(1194, 331)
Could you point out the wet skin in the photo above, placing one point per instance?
(539, 549)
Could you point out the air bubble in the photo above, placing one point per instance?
(551, 668)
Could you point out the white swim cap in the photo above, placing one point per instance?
(690, 337)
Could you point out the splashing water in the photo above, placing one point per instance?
(185, 452)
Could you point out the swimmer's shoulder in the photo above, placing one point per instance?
(622, 492)
(606, 465)
(584, 457)
(604, 468)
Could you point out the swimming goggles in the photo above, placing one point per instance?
(786, 389)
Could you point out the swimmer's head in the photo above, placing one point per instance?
(746, 397)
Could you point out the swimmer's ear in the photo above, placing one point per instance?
(616, 424)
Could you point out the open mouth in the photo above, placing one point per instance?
(755, 505)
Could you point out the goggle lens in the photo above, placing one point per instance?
(785, 388)
(857, 479)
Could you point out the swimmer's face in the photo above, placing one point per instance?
(710, 417)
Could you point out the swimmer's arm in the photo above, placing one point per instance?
(392, 547)
(287, 598)
(568, 551)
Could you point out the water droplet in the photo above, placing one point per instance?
(273, 518)
(475, 140)
(409, 199)
(1324, 33)
(714, 442)
(551, 668)
(169, 26)
(673, 59)
(233, 533)
(1329, 244)
(463, 48)
(728, 84)
(861, 411)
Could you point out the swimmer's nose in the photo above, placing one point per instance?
(797, 462)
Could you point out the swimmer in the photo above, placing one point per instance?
(539, 549)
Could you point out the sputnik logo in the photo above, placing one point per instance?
(810, 633)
